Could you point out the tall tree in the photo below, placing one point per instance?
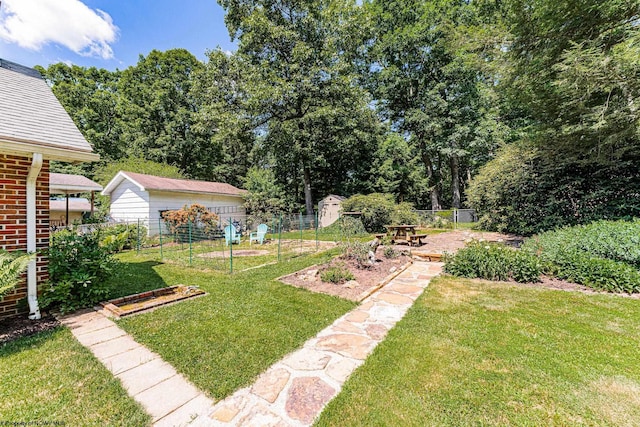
(301, 86)
(427, 78)
(159, 111)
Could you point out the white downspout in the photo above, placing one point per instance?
(32, 282)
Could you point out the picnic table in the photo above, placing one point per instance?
(405, 233)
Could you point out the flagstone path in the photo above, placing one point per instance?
(292, 392)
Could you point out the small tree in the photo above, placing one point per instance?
(12, 265)
(265, 198)
(199, 216)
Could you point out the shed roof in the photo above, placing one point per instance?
(157, 183)
(64, 183)
(33, 119)
(76, 204)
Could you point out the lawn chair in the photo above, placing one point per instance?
(259, 235)
(230, 235)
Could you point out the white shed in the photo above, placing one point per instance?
(329, 209)
(137, 196)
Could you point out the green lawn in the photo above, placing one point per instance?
(247, 322)
(50, 377)
(482, 353)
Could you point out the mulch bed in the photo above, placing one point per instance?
(365, 278)
(21, 326)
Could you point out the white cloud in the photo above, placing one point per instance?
(33, 24)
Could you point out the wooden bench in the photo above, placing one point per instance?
(416, 239)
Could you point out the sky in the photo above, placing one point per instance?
(107, 34)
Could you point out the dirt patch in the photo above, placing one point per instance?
(366, 279)
(237, 252)
(451, 241)
(20, 326)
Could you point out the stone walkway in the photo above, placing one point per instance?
(292, 392)
(164, 394)
(295, 390)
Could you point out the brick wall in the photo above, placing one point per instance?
(13, 222)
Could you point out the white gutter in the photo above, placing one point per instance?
(32, 282)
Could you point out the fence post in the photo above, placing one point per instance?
(138, 242)
(231, 226)
(279, 236)
(160, 230)
(316, 219)
(190, 246)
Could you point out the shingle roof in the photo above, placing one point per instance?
(157, 183)
(75, 205)
(30, 113)
(67, 183)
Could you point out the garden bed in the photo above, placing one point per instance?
(131, 304)
(366, 280)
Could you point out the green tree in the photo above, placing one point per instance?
(299, 87)
(159, 112)
(106, 171)
(264, 198)
(427, 77)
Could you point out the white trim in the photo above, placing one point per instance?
(32, 283)
(52, 153)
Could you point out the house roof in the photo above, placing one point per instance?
(157, 183)
(340, 198)
(76, 204)
(33, 119)
(63, 183)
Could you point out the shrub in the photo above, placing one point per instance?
(603, 255)
(78, 269)
(195, 221)
(380, 209)
(493, 261)
(390, 252)
(12, 265)
(359, 252)
(336, 274)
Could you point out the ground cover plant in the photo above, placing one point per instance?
(247, 322)
(493, 261)
(602, 255)
(50, 378)
(472, 352)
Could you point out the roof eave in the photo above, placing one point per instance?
(195, 192)
(21, 148)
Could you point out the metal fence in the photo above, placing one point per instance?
(208, 246)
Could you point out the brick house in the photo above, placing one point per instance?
(34, 129)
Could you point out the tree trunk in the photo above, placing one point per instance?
(308, 198)
(433, 190)
(454, 163)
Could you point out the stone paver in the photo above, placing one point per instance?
(292, 392)
(164, 394)
(315, 373)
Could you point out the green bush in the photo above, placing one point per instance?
(359, 252)
(336, 274)
(78, 268)
(603, 255)
(390, 253)
(379, 210)
(493, 261)
(12, 265)
(126, 236)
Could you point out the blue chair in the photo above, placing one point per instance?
(230, 235)
(259, 235)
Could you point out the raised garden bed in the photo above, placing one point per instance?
(131, 304)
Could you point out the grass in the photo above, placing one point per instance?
(495, 354)
(247, 322)
(51, 378)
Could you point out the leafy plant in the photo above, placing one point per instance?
(390, 252)
(78, 269)
(603, 255)
(493, 261)
(336, 274)
(12, 265)
(359, 252)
